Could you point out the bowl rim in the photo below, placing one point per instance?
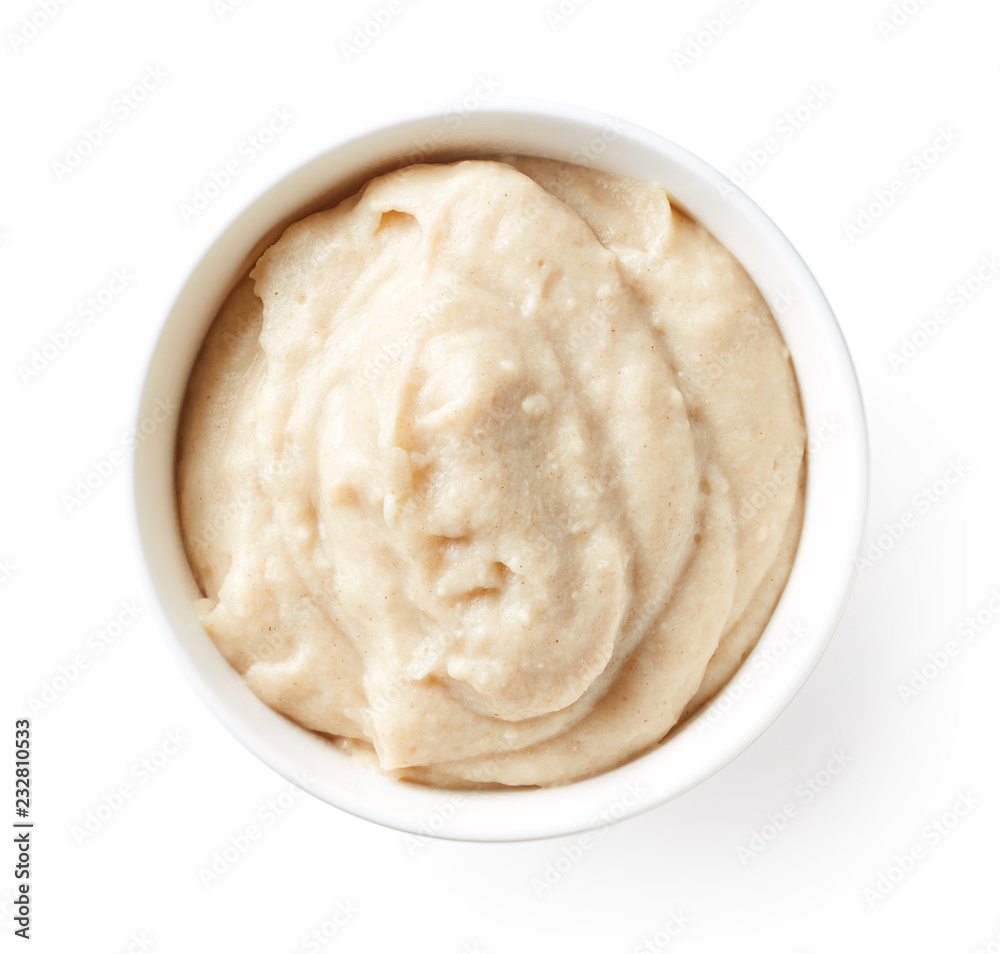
(638, 785)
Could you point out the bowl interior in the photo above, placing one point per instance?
(835, 501)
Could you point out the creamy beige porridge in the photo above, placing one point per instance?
(492, 473)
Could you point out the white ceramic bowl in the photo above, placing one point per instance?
(835, 505)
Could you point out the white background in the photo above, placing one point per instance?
(67, 569)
